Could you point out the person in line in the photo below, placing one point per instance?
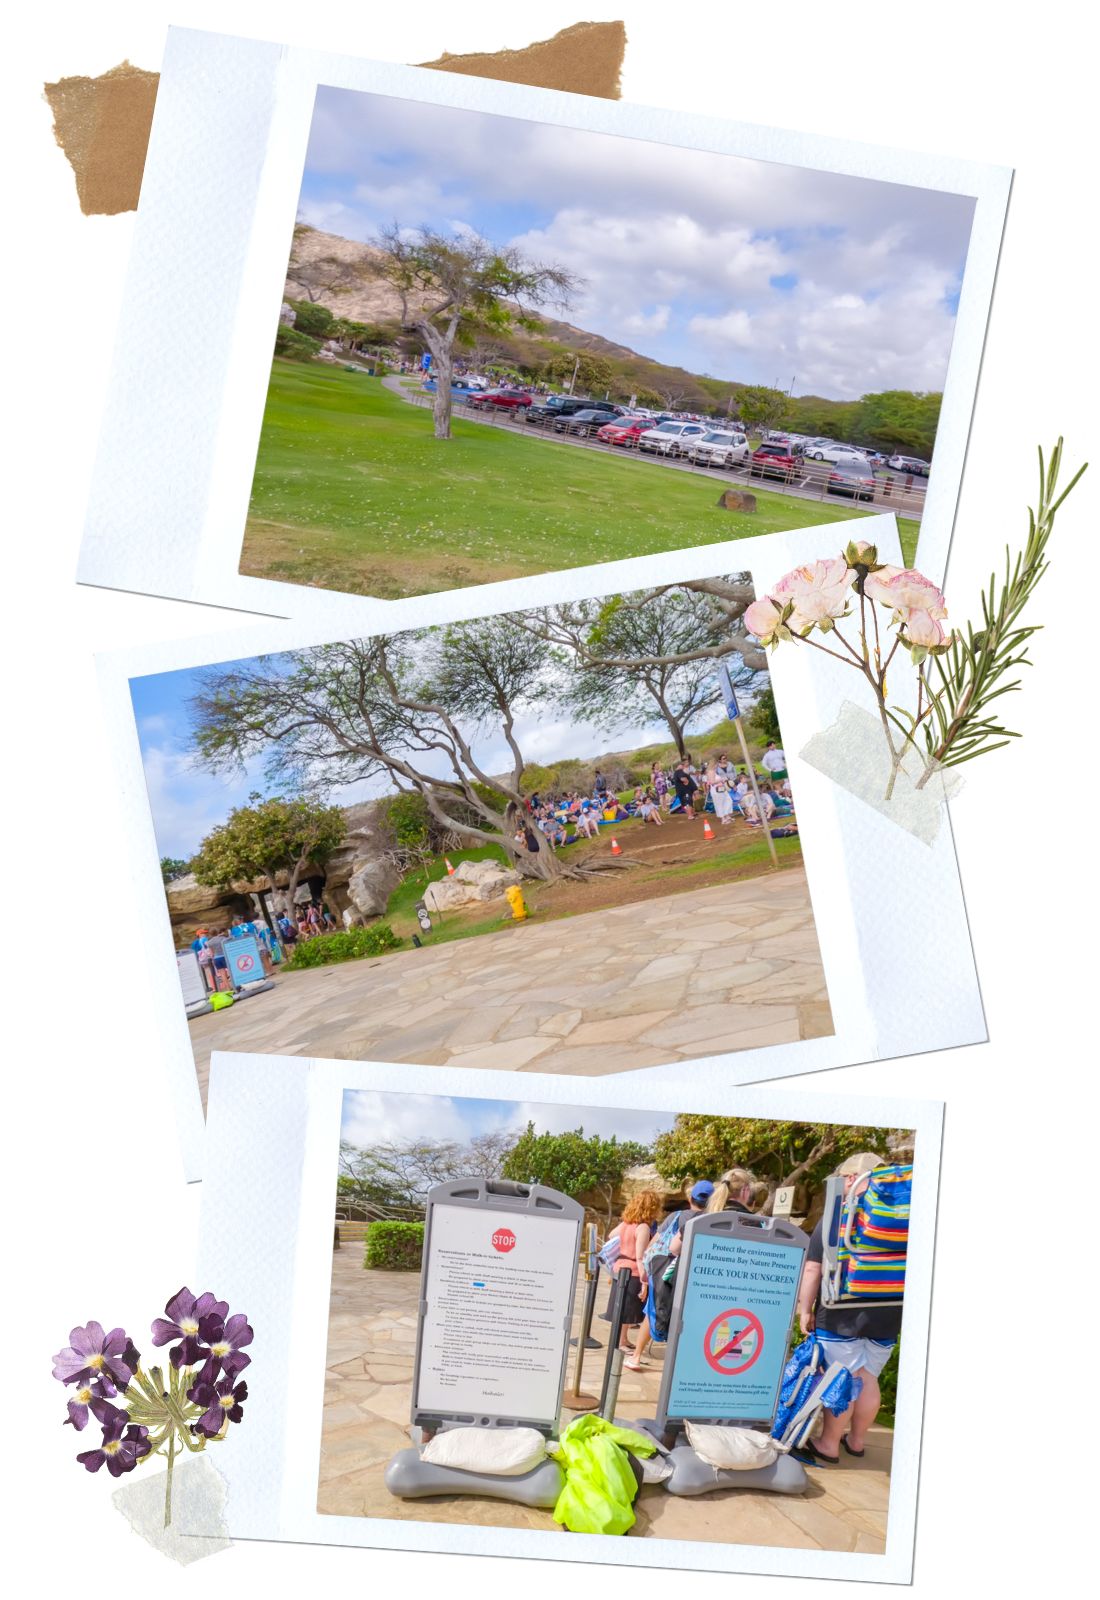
(774, 761)
(861, 1338)
(735, 1190)
(634, 1232)
(661, 1274)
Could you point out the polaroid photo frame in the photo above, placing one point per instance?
(276, 1263)
(172, 484)
(883, 957)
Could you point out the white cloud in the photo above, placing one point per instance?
(731, 328)
(375, 1117)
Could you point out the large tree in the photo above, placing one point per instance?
(409, 709)
(322, 274)
(779, 1153)
(461, 286)
(269, 838)
(396, 1174)
(762, 407)
(637, 656)
(573, 1163)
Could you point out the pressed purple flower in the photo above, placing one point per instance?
(92, 1354)
(186, 1311)
(221, 1401)
(122, 1447)
(224, 1338)
(84, 1400)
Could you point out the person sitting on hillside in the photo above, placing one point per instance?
(587, 821)
(754, 814)
(685, 787)
(649, 810)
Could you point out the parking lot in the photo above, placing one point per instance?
(901, 493)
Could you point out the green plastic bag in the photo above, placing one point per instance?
(600, 1485)
(219, 1001)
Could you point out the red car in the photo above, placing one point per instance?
(775, 461)
(499, 400)
(624, 431)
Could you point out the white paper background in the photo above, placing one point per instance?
(100, 1223)
(878, 964)
(220, 194)
(283, 1278)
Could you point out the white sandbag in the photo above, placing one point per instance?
(738, 1448)
(499, 1452)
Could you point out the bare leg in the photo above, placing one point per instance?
(855, 1421)
(642, 1344)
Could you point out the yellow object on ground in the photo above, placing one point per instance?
(598, 1496)
(514, 897)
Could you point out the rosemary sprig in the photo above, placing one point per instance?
(970, 675)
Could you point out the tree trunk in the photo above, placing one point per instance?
(443, 364)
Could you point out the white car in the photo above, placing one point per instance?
(837, 453)
(672, 438)
(720, 449)
(910, 464)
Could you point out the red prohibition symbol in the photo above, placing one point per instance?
(733, 1342)
(245, 963)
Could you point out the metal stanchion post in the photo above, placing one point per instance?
(574, 1399)
(613, 1366)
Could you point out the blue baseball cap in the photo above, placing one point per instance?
(702, 1190)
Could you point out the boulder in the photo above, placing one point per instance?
(736, 500)
(472, 881)
(370, 883)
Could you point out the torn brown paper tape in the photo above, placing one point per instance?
(102, 124)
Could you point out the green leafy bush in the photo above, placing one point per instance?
(888, 1387)
(394, 1246)
(349, 946)
(313, 320)
(295, 346)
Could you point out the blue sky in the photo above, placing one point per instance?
(371, 1117)
(744, 269)
(187, 802)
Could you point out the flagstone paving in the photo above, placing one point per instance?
(368, 1389)
(731, 967)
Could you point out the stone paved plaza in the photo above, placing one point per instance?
(368, 1391)
(730, 967)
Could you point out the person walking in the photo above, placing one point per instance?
(861, 1338)
(661, 1273)
(634, 1233)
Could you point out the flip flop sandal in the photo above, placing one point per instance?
(635, 1366)
(811, 1456)
(851, 1452)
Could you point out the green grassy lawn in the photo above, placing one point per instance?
(352, 492)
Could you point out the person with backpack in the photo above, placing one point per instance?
(860, 1337)
(640, 1214)
(659, 1265)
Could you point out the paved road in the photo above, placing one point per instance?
(893, 498)
(731, 967)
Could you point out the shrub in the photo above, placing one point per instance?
(888, 1386)
(313, 320)
(394, 1246)
(349, 946)
(295, 346)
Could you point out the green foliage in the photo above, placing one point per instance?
(316, 321)
(262, 839)
(408, 819)
(351, 945)
(394, 1246)
(899, 420)
(888, 1387)
(571, 1162)
(702, 1146)
(295, 346)
(172, 868)
(762, 407)
(763, 719)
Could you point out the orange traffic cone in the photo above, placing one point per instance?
(450, 869)
(708, 831)
(616, 847)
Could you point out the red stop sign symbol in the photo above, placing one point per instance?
(504, 1240)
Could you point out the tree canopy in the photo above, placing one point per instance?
(396, 1175)
(264, 839)
(573, 1163)
(779, 1153)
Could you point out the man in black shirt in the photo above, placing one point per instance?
(860, 1337)
(685, 786)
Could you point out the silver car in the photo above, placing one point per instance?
(672, 438)
(720, 449)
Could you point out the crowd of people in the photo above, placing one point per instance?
(685, 790)
(309, 920)
(647, 1245)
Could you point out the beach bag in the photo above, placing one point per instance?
(659, 1244)
(872, 1249)
(219, 1000)
(609, 1252)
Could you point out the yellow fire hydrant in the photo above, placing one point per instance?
(514, 897)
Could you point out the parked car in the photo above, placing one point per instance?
(773, 460)
(671, 438)
(910, 464)
(856, 482)
(719, 448)
(567, 405)
(582, 422)
(624, 431)
(499, 400)
(833, 452)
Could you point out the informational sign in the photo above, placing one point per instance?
(729, 696)
(425, 361)
(191, 980)
(736, 1290)
(497, 1299)
(243, 960)
(783, 1201)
